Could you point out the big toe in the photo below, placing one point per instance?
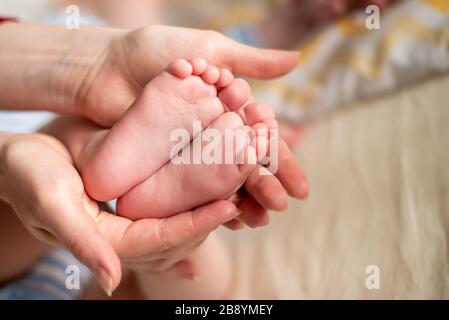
(235, 95)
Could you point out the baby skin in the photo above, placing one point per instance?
(131, 161)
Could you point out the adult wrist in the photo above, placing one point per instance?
(47, 67)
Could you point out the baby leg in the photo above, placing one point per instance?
(213, 280)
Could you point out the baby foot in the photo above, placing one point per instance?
(139, 143)
(178, 186)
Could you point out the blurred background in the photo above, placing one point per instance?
(367, 112)
(342, 60)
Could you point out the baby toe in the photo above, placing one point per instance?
(211, 75)
(199, 66)
(235, 95)
(180, 68)
(226, 78)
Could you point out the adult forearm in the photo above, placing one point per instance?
(46, 67)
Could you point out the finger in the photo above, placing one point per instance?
(184, 227)
(186, 269)
(74, 226)
(173, 258)
(237, 197)
(253, 214)
(266, 189)
(133, 239)
(258, 63)
(180, 252)
(234, 225)
(290, 174)
(43, 235)
(255, 112)
(183, 268)
(173, 254)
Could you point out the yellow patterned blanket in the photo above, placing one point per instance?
(348, 62)
(345, 62)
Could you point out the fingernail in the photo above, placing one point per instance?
(304, 189)
(241, 226)
(105, 281)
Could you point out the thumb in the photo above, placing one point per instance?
(259, 63)
(75, 227)
(149, 236)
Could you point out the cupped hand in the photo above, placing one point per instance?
(132, 59)
(38, 180)
(265, 191)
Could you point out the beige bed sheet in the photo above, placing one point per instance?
(379, 180)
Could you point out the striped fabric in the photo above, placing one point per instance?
(47, 279)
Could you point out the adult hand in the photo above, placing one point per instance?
(38, 180)
(134, 58)
(133, 55)
(264, 189)
(98, 72)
